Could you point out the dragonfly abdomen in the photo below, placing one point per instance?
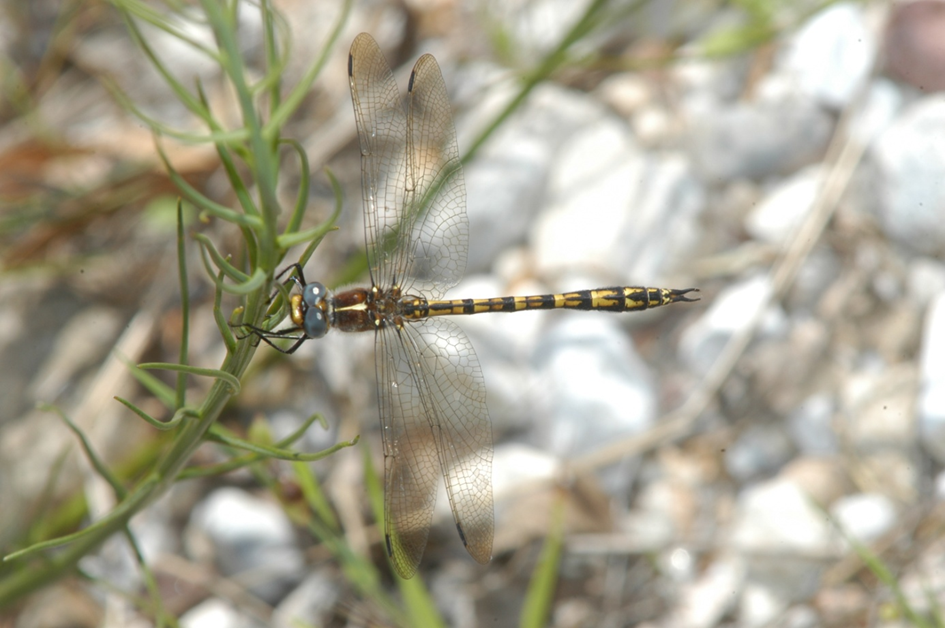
(620, 299)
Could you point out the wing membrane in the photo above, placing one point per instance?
(434, 421)
(430, 389)
(435, 203)
(382, 135)
(414, 196)
(454, 400)
(410, 460)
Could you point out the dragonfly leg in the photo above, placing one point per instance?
(266, 336)
(298, 279)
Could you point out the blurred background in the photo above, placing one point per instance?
(769, 456)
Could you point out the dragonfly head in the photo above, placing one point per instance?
(310, 310)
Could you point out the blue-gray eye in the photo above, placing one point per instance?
(316, 325)
(313, 293)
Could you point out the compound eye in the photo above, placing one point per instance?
(316, 325)
(314, 293)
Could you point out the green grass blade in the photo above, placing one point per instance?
(225, 332)
(229, 378)
(162, 426)
(541, 590)
(222, 265)
(221, 435)
(164, 393)
(328, 225)
(301, 199)
(182, 357)
(97, 463)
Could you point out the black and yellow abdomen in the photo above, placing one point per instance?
(621, 299)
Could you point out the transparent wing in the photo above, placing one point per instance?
(434, 420)
(411, 467)
(416, 227)
(435, 202)
(382, 135)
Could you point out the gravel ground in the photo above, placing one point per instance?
(721, 463)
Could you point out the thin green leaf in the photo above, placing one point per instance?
(232, 272)
(225, 332)
(416, 601)
(300, 432)
(201, 201)
(147, 14)
(314, 496)
(264, 161)
(358, 570)
(875, 564)
(275, 31)
(217, 434)
(158, 127)
(329, 224)
(254, 283)
(161, 616)
(248, 459)
(551, 62)
(162, 426)
(183, 95)
(541, 590)
(421, 609)
(99, 529)
(182, 357)
(229, 166)
(41, 514)
(164, 393)
(229, 378)
(301, 199)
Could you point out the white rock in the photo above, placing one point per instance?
(800, 616)
(911, 160)
(310, 603)
(878, 110)
(216, 613)
(811, 426)
(760, 449)
(864, 516)
(931, 402)
(505, 189)
(538, 26)
(760, 605)
(252, 539)
(755, 140)
(595, 386)
(776, 517)
(832, 55)
(517, 465)
(592, 184)
(626, 92)
(703, 603)
(733, 309)
(776, 219)
(615, 209)
(926, 280)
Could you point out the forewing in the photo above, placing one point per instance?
(382, 135)
(453, 398)
(411, 467)
(434, 248)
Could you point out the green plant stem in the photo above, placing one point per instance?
(148, 490)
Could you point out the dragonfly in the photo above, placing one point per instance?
(430, 390)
